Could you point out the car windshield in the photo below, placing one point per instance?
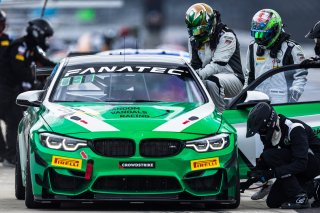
(119, 83)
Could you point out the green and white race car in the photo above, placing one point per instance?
(125, 128)
(142, 128)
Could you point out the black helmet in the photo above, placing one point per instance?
(3, 16)
(261, 119)
(40, 29)
(314, 32)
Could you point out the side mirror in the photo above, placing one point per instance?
(30, 98)
(253, 97)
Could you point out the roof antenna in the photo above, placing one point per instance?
(137, 46)
(44, 8)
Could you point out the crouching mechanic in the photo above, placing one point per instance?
(273, 48)
(291, 155)
(215, 54)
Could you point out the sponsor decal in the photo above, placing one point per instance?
(192, 118)
(277, 92)
(71, 163)
(136, 69)
(135, 165)
(84, 155)
(129, 112)
(20, 57)
(76, 118)
(261, 58)
(207, 163)
(5, 43)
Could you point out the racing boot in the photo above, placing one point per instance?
(300, 201)
(316, 193)
(8, 163)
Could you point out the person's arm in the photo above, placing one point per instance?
(224, 51)
(299, 154)
(299, 76)
(41, 58)
(195, 61)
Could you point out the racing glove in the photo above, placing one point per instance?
(312, 60)
(294, 95)
(196, 62)
(262, 175)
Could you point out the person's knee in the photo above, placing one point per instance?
(211, 84)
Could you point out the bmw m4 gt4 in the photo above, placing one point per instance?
(134, 128)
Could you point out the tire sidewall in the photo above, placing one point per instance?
(19, 188)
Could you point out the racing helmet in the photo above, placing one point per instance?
(266, 27)
(3, 18)
(201, 21)
(39, 30)
(314, 32)
(262, 119)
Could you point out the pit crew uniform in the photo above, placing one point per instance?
(218, 64)
(283, 87)
(16, 77)
(295, 160)
(4, 44)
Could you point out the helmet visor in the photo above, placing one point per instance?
(262, 36)
(199, 30)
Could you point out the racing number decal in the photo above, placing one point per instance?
(207, 163)
(71, 163)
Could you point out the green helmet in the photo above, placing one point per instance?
(266, 27)
(201, 21)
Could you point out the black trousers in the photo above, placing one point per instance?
(285, 189)
(11, 114)
(2, 143)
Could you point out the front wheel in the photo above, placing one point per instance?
(29, 197)
(19, 188)
(236, 197)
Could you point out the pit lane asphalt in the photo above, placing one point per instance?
(8, 203)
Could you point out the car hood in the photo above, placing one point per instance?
(70, 118)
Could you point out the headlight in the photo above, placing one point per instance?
(208, 144)
(59, 142)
